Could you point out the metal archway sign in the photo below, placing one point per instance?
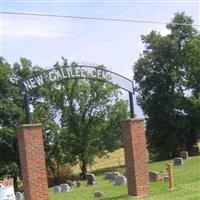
(75, 72)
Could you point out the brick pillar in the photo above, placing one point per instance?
(135, 157)
(32, 160)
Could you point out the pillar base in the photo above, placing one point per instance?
(135, 153)
(32, 161)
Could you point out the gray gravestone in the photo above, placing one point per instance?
(154, 176)
(65, 188)
(91, 180)
(98, 194)
(120, 180)
(57, 189)
(113, 175)
(19, 196)
(184, 155)
(70, 183)
(108, 175)
(178, 161)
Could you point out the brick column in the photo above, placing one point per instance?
(32, 161)
(135, 153)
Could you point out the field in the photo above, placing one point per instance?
(186, 182)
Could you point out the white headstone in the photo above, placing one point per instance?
(65, 188)
(19, 196)
(57, 189)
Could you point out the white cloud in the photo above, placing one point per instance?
(159, 28)
(164, 31)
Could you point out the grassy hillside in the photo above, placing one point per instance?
(186, 180)
(111, 160)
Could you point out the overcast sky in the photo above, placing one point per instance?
(116, 45)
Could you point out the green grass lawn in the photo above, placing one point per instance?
(186, 183)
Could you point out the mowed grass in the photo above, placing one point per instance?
(186, 184)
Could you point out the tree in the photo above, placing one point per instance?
(78, 117)
(89, 113)
(192, 63)
(162, 90)
(11, 115)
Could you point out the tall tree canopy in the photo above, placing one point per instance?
(166, 74)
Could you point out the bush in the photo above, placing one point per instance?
(58, 173)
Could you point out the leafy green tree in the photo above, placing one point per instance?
(89, 114)
(80, 118)
(56, 158)
(11, 115)
(162, 90)
(192, 66)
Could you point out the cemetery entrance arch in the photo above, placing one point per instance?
(30, 138)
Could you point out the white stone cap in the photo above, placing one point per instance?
(30, 125)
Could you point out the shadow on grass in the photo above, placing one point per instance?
(116, 198)
(100, 172)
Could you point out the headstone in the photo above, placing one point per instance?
(178, 161)
(91, 180)
(78, 183)
(108, 175)
(19, 196)
(98, 194)
(120, 180)
(166, 178)
(154, 176)
(57, 189)
(70, 183)
(113, 175)
(184, 155)
(65, 188)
